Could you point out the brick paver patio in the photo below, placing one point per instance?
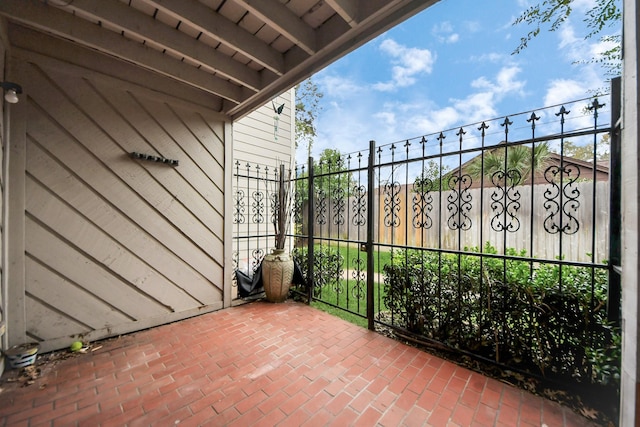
(266, 364)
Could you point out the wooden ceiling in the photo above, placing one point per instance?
(242, 52)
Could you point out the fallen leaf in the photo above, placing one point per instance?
(589, 412)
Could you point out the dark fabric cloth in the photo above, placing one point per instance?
(298, 277)
(249, 286)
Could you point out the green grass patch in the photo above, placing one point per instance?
(341, 313)
(339, 289)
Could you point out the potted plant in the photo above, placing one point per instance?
(277, 267)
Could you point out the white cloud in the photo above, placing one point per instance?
(564, 90)
(491, 57)
(505, 82)
(408, 62)
(444, 33)
(387, 117)
(477, 106)
(568, 39)
(335, 86)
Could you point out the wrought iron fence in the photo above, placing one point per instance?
(488, 238)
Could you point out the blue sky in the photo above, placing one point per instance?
(448, 66)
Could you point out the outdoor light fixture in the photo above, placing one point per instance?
(11, 92)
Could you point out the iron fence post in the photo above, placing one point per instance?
(310, 233)
(615, 183)
(370, 231)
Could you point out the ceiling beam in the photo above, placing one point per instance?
(54, 53)
(220, 28)
(347, 9)
(62, 24)
(146, 27)
(331, 47)
(283, 20)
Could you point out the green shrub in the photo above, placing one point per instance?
(328, 268)
(508, 310)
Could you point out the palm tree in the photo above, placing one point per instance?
(520, 162)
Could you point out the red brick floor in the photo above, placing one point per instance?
(264, 365)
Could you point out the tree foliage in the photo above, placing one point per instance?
(329, 177)
(554, 13)
(520, 162)
(429, 179)
(308, 107)
(585, 152)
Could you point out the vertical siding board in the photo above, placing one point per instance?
(68, 298)
(84, 131)
(103, 249)
(255, 140)
(66, 186)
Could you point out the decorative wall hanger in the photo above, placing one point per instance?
(276, 118)
(153, 158)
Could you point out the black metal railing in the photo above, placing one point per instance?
(493, 239)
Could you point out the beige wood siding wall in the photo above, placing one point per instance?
(111, 244)
(257, 142)
(255, 139)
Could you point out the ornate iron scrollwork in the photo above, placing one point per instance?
(257, 207)
(321, 207)
(422, 202)
(238, 214)
(392, 204)
(505, 200)
(561, 202)
(339, 206)
(360, 276)
(256, 258)
(562, 179)
(459, 202)
(359, 205)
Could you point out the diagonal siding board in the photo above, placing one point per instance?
(112, 244)
(208, 130)
(102, 283)
(142, 133)
(69, 188)
(43, 323)
(112, 157)
(66, 297)
(103, 249)
(124, 137)
(116, 193)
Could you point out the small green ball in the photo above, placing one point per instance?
(76, 346)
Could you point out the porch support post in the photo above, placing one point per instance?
(15, 217)
(227, 285)
(370, 230)
(310, 233)
(630, 372)
(613, 297)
